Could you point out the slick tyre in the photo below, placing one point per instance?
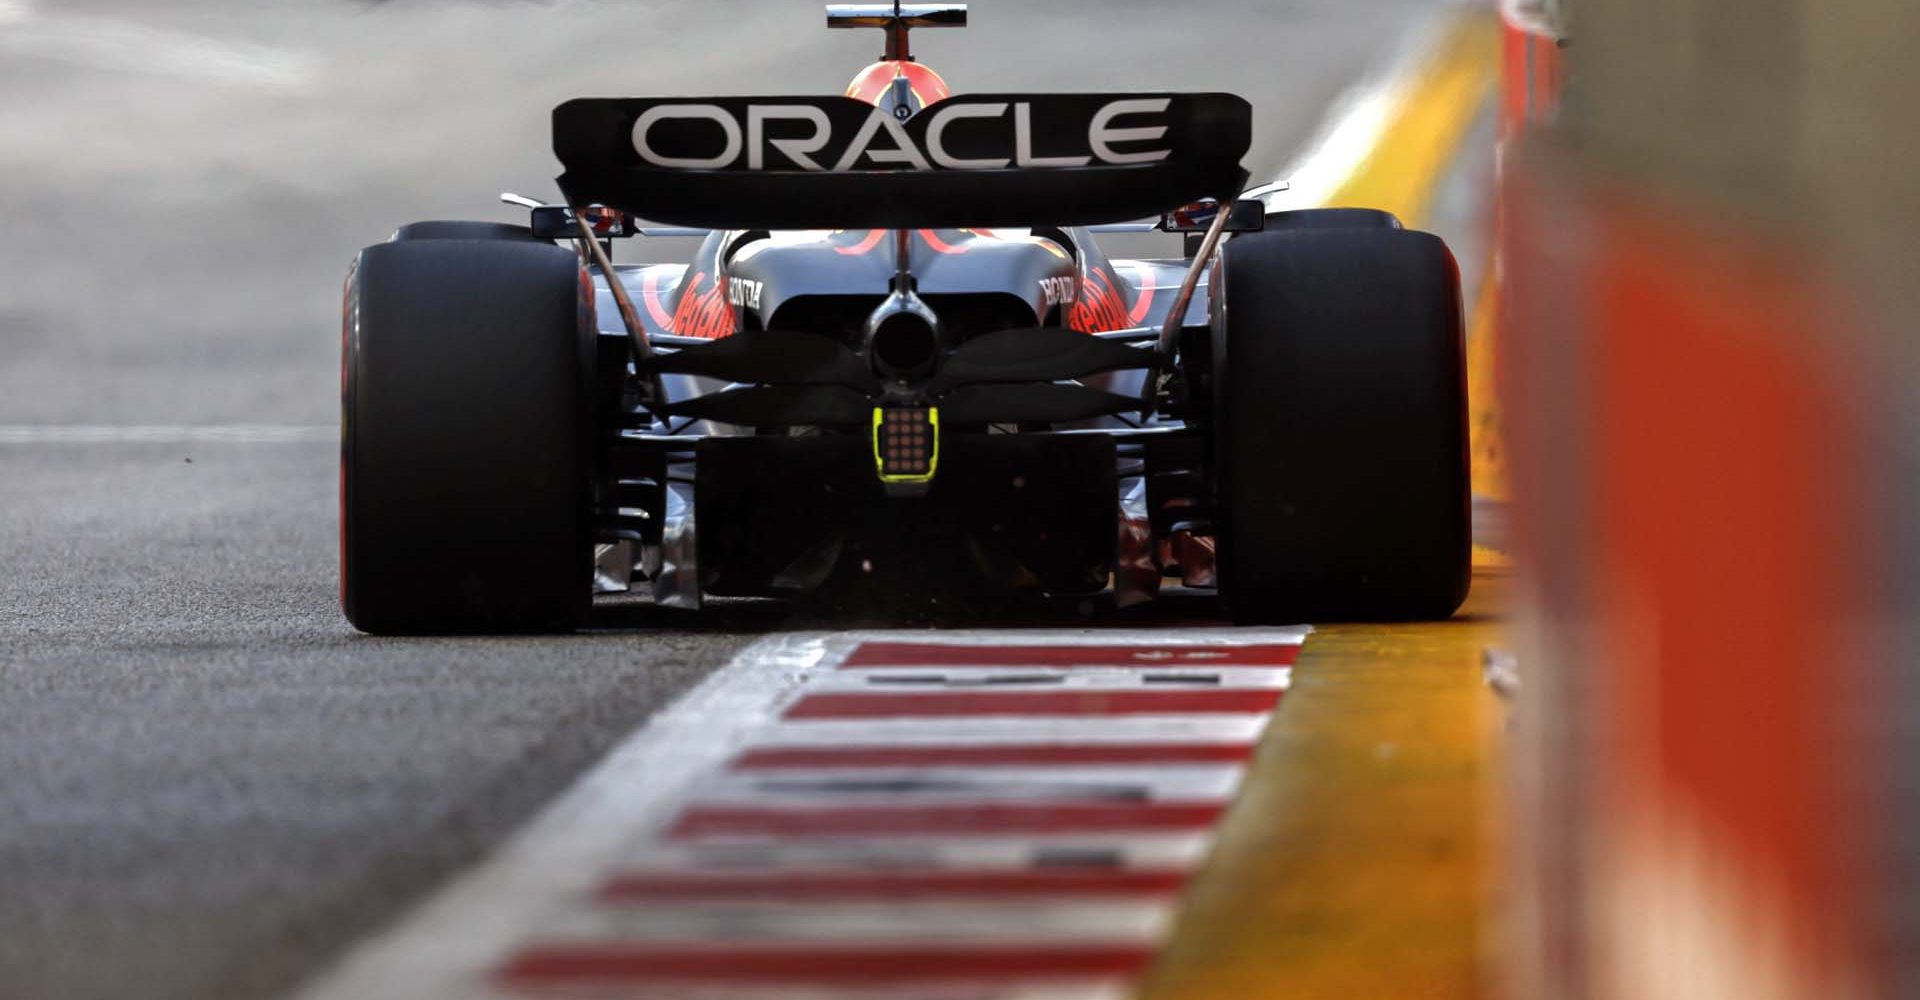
(465, 474)
(1332, 218)
(1339, 427)
(455, 230)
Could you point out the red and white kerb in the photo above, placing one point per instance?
(910, 816)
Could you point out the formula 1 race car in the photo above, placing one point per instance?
(901, 361)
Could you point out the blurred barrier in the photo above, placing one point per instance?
(1530, 80)
(1711, 379)
(1425, 120)
(1530, 65)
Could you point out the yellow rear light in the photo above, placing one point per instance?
(906, 443)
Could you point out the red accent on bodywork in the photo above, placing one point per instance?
(1194, 554)
(1143, 297)
(1099, 308)
(871, 84)
(939, 245)
(707, 315)
(865, 246)
(650, 294)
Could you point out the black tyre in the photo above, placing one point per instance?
(1339, 438)
(466, 428)
(453, 230)
(1333, 218)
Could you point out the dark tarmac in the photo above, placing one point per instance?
(209, 784)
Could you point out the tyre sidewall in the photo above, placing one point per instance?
(1339, 427)
(466, 438)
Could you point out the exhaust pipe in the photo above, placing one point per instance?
(903, 338)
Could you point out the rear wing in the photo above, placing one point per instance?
(835, 162)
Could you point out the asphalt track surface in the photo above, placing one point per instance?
(209, 784)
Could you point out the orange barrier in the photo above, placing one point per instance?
(1703, 781)
(1699, 597)
(1530, 68)
(1531, 71)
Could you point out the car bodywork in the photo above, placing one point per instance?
(957, 384)
(977, 282)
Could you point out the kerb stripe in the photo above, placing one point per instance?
(814, 886)
(770, 758)
(945, 820)
(861, 704)
(818, 964)
(935, 654)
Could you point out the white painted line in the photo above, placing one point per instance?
(1039, 679)
(995, 730)
(168, 433)
(957, 922)
(853, 786)
(1177, 851)
(842, 643)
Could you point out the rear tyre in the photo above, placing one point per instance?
(1333, 218)
(1339, 439)
(466, 429)
(452, 230)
